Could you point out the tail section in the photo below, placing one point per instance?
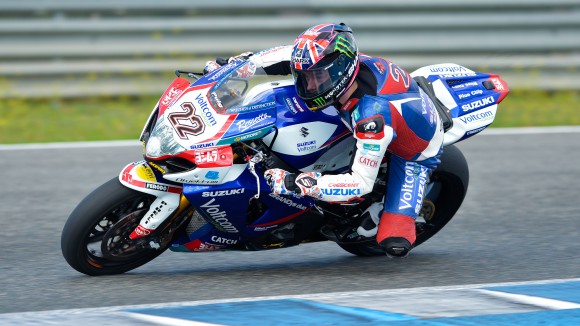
(471, 98)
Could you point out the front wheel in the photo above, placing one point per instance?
(95, 239)
(444, 195)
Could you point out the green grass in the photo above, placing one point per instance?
(33, 121)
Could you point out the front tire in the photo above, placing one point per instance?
(95, 239)
(445, 193)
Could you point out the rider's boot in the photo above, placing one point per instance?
(370, 219)
(396, 234)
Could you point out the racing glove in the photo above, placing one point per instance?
(285, 183)
(219, 62)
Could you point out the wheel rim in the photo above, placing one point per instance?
(107, 244)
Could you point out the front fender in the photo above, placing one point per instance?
(140, 176)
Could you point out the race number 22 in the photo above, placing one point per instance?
(186, 122)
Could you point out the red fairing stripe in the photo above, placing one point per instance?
(501, 86)
(176, 90)
(225, 128)
(127, 177)
(171, 93)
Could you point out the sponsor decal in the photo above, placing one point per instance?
(462, 96)
(474, 131)
(368, 162)
(248, 136)
(213, 157)
(155, 186)
(216, 100)
(319, 167)
(371, 128)
(298, 106)
(218, 216)
(197, 245)
(220, 193)
(380, 67)
(205, 109)
(413, 171)
(255, 107)
(212, 175)
(451, 69)
(341, 85)
(220, 72)
(319, 101)
(171, 94)
(477, 117)
(372, 147)
(299, 52)
(290, 106)
(198, 146)
(244, 125)
(144, 172)
(340, 192)
(306, 146)
(142, 231)
(155, 211)
(301, 60)
(465, 95)
(304, 132)
(428, 108)
(160, 169)
(457, 75)
(221, 240)
(197, 181)
(288, 201)
(269, 51)
(465, 85)
(498, 84)
(264, 228)
(477, 104)
(343, 185)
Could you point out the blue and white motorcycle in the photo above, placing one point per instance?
(206, 145)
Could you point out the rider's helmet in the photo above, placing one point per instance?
(324, 64)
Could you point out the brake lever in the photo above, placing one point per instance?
(252, 161)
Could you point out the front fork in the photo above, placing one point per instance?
(169, 198)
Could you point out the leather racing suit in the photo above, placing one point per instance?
(387, 113)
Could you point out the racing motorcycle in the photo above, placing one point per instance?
(206, 144)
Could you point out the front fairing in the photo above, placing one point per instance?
(218, 109)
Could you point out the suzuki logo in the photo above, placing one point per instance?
(304, 132)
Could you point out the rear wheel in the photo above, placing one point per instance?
(444, 195)
(95, 239)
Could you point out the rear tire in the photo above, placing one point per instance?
(115, 207)
(446, 190)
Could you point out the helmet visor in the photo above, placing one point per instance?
(316, 81)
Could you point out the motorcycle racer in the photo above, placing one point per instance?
(393, 121)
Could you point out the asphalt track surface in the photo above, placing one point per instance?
(519, 222)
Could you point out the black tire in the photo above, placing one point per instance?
(99, 212)
(448, 184)
(452, 180)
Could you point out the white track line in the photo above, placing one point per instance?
(370, 293)
(550, 304)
